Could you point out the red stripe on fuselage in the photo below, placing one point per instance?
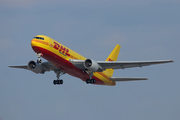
(65, 65)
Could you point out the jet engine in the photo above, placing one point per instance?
(92, 65)
(35, 67)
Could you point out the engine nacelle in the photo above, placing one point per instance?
(35, 67)
(92, 65)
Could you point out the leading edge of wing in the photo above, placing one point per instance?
(126, 78)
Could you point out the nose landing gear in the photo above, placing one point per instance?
(39, 55)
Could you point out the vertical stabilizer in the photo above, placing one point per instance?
(113, 57)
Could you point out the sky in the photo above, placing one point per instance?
(146, 30)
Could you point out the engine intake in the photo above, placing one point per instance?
(35, 67)
(92, 65)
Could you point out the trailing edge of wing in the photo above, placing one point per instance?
(126, 79)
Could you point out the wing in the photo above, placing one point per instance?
(22, 67)
(126, 79)
(46, 66)
(118, 64)
(129, 64)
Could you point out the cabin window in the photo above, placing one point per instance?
(41, 38)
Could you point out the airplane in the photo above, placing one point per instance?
(63, 60)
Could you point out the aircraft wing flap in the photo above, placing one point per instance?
(126, 79)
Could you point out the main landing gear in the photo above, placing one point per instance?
(58, 81)
(58, 72)
(91, 80)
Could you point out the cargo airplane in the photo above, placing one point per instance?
(63, 60)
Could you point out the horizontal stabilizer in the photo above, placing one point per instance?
(126, 79)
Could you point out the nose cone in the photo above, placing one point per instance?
(33, 43)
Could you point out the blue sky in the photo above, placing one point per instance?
(146, 30)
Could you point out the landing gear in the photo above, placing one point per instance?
(90, 80)
(58, 82)
(58, 74)
(39, 61)
(39, 55)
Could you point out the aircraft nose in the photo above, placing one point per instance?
(32, 43)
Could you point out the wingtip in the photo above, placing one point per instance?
(171, 60)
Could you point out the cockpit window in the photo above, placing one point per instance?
(41, 38)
